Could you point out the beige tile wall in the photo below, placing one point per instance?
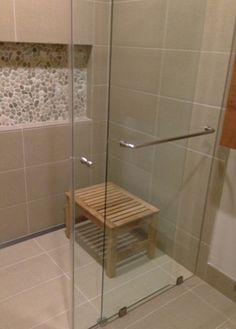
(47, 21)
(34, 174)
(169, 66)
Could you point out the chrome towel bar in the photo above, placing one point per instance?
(207, 130)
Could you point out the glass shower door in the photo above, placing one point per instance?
(156, 177)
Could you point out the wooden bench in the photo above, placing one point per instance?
(118, 211)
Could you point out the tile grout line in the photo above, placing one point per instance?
(130, 280)
(22, 261)
(161, 307)
(49, 319)
(31, 288)
(53, 261)
(25, 182)
(210, 305)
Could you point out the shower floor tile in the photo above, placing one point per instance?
(35, 291)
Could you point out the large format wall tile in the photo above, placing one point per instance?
(12, 188)
(47, 144)
(102, 23)
(7, 24)
(219, 25)
(83, 21)
(133, 109)
(47, 212)
(174, 118)
(13, 222)
(139, 23)
(211, 79)
(42, 21)
(185, 24)
(11, 150)
(136, 68)
(179, 74)
(46, 180)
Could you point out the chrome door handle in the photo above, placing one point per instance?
(86, 162)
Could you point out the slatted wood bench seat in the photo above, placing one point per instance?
(120, 211)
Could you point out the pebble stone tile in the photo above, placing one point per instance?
(34, 83)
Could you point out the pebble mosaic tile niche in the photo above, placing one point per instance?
(34, 83)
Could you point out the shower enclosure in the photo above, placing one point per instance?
(149, 136)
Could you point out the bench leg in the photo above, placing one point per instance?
(111, 254)
(68, 217)
(152, 237)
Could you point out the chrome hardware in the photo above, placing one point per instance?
(207, 130)
(86, 162)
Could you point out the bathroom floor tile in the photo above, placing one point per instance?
(131, 291)
(216, 299)
(52, 240)
(26, 274)
(227, 325)
(61, 321)
(186, 312)
(86, 316)
(18, 252)
(36, 305)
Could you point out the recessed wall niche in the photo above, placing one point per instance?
(34, 84)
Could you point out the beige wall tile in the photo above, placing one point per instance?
(47, 144)
(47, 180)
(135, 110)
(219, 25)
(100, 65)
(7, 23)
(174, 118)
(214, 198)
(44, 21)
(165, 196)
(168, 166)
(100, 103)
(83, 20)
(179, 74)
(211, 78)
(47, 212)
(191, 211)
(204, 116)
(11, 150)
(196, 172)
(83, 173)
(26, 274)
(102, 23)
(125, 175)
(202, 261)
(139, 23)
(136, 68)
(82, 138)
(186, 250)
(12, 188)
(142, 158)
(13, 223)
(185, 24)
(99, 140)
(98, 173)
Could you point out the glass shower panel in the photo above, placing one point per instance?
(90, 128)
(156, 193)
